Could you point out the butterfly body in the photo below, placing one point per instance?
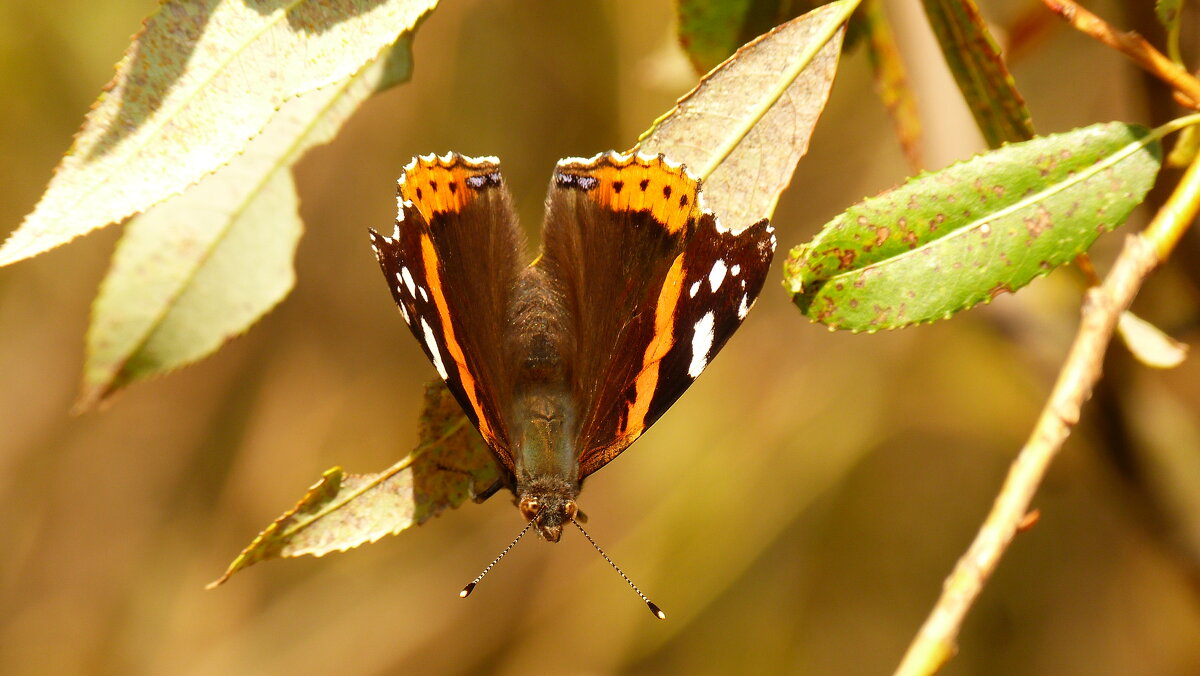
(561, 364)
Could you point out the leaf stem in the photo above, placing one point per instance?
(934, 643)
(1132, 45)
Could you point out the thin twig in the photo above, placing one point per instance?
(1132, 45)
(934, 644)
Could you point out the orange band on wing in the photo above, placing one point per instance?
(664, 329)
(429, 259)
(639, 183)
(435, 186)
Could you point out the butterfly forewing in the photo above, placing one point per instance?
(452, 263)
(653, 285)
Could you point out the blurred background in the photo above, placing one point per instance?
(796, 511)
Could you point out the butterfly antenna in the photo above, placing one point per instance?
(466, 591)
(649, 604)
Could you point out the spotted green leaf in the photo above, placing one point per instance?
(199, 81)
(341, 511)
(947, 240)
(200, 268)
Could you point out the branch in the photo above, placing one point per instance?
(934, 644)
(1132, 45)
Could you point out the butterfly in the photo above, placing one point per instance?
(564, 362)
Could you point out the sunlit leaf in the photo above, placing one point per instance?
(975, 61)
(747, 123)
(711, 30)
(450, 465)
(199, 81)
(202, 267)
(945, 241)
(891, 80)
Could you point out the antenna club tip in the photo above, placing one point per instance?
(466, 591)
(658, 612)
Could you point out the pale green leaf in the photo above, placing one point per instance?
(945, 241)
(341, 511)
(202, 267)
(199, 81)
(748, 122)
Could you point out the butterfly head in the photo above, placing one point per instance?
(549, 504)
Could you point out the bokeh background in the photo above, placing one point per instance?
(796, 512)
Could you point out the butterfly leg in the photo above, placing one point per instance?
(489, 491)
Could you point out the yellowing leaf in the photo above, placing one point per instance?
(891, 80)
(1149, 344)
(343, 511)
(200, 80)
(748, 122)
(202, 267)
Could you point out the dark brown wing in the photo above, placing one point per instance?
(451, 264)
(654, 287)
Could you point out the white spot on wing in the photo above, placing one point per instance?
(702, 341)
(408, 281)
(424, 296)
(735, 270)
(743, 308)
(717, 274)
(404, 313)
(695, 287)
(433, 349)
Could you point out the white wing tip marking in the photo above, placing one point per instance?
(693, 289)
(743, 308)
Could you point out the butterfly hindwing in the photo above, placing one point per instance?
(452, 263)
(640, 265)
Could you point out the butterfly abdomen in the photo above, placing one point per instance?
(544, 419)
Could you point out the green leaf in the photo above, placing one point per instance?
(747, 123)
(202, 267)
(945, 241)
(341, 511)
(200, 80)
(974, 59)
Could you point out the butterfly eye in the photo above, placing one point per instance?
(530, 507)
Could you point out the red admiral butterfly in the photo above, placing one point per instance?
(561, 364)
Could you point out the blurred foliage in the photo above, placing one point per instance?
(805, 498)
